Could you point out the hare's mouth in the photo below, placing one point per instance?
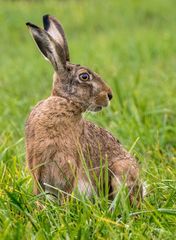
(97, 109)
(94, 108)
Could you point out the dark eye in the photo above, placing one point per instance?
(84, 76)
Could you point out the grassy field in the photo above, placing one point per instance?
(132, 44)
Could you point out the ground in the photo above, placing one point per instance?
(132, 44)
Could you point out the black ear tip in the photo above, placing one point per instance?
(46, 16)
(46, 22)
(28, 24)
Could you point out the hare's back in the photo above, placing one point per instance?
(44, 117)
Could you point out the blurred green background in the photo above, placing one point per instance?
(132, 45)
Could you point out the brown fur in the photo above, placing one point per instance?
(59, 139)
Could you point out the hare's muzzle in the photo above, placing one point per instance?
(110, 95)
(103, 98)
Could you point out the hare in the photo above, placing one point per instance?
(59, 141)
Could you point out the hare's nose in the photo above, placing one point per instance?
(110, 96)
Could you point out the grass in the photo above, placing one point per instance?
(132, 44)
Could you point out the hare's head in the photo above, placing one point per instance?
(72, 81)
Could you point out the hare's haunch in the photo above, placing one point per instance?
(64, 151)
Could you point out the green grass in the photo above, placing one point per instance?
(132, 44)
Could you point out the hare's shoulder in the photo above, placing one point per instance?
(100, 138)
(100, 134)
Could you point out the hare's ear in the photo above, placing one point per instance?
(51, 50)
(55, 29)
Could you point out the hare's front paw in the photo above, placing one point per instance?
(125, 175)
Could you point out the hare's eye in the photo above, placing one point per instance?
(84, 76)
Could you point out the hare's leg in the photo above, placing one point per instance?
(126, 172)
(58, 175)
(37, 185)
(83, 184)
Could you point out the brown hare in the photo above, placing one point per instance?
(59, 141)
